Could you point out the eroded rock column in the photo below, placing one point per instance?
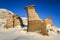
(34, 22)
(33, 19)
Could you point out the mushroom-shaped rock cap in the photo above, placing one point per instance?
(29, 7)
(48, 19)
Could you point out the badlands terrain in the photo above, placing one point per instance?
(18, 32)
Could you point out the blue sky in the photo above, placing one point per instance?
(44, 8)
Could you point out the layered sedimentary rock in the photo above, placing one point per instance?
(4, 14)
(43, 29)
(49, 24)
(16, 20)
(11, 19)
(48, 20)
(35, 23)
(33, 19)
(32, 15)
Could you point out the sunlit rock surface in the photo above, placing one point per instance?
(9, 19)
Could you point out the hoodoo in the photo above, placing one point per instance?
(35, 23)
(33, 19)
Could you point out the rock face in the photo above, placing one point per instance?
(31, 13)
(48, 21)
(11, 19)
(35, 23)
(42, 29)
(33, 19)
(16, 20)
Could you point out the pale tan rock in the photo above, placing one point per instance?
(43, 28)
(34, 22)
(12, 20)
(31, 13)
(16, 20)
(4, 14)
(33, 19)
(48, 20)
(9, 24)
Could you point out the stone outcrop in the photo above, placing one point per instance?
(16, 20)
(35, 23)
(49, 24)
(31, 13)
(48, 20)
(43, 29)
(12, 20)
(33, 19)
(9, 24)
(4, 14)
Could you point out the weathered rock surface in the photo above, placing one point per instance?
(31, 13)
(12, 20)
(33, 19)
(35, 23)
(48, 20)
(16, 20)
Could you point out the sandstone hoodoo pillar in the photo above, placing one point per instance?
(33, 19)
